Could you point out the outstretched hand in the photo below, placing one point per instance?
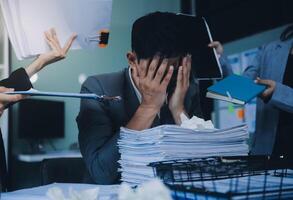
(57, 52)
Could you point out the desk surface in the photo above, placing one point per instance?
(49, 155)
(106, 192)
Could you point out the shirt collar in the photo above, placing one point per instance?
(137, 93)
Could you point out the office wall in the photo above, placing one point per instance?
(253, 41)
(63, 76)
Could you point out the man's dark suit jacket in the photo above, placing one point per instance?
(18, 80)
(99, 122)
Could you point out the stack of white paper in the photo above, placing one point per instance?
(26, 22)
(167, 142)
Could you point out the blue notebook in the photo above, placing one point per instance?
(235, 89)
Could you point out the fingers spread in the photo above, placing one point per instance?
(152, 67)
(180, 77)
(51, 41)
(69, 42)
(55, 38)
(168, 76)
(51, 44)
(142, 68)
(161, 71)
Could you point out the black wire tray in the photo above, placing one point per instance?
(237, 177)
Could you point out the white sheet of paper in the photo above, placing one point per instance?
(27, 21)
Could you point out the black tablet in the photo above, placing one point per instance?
(197, 36)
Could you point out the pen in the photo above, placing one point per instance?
(229, 95)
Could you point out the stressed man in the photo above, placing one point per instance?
(156, 89)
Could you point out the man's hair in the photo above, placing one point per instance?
(158, 32)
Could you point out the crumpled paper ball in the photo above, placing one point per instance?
(56, 193)
(151, 190)
(195, 123)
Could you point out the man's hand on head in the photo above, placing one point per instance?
(151, 78)
(152, 81)
(176, 103)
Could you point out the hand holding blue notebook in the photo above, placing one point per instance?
(235, 89)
